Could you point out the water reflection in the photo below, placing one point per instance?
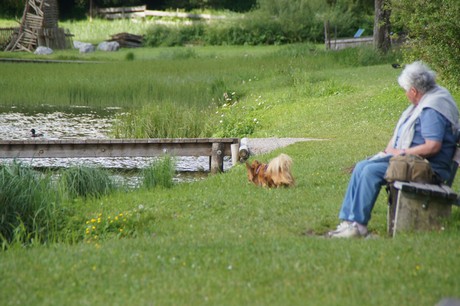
(55, 123)
(79, 123)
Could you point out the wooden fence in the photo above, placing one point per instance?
(342, 43)
(142, 12)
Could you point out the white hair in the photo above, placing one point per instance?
(419, 76)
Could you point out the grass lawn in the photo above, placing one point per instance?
(223, 241)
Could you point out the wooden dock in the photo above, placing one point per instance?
(215, 148)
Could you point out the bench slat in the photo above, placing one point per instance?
(431, 190)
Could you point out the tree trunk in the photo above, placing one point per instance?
(327, 35)
(382, 25)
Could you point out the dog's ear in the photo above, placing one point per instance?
(248, 166)
(250, 171)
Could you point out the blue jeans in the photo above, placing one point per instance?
(363, 190)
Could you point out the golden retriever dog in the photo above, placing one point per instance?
(277, 173)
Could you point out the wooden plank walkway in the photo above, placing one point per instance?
(215, 148)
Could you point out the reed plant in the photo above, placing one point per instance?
(83, 181)
(159, 174)
(30, 207)
(163, 121)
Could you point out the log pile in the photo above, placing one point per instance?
(127, 40)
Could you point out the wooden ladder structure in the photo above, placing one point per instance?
(39, 26)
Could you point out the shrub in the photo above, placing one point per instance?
(433, 29)
(249, 31)
(170, 36)
(129, 56)
(234, 119)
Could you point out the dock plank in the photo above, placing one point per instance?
(95, 148)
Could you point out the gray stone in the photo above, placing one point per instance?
(87, 48)
(108, 46)
(83, 47)
(43, 50)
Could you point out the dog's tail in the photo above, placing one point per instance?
(279, 169)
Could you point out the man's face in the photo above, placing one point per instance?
(413, 95)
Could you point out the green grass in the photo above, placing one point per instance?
(221, 89)
(223, 241)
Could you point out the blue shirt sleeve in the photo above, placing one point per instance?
(432, 124)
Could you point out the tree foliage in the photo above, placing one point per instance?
(433, 34)
(76, 9)
(11, 8)
(347, 16)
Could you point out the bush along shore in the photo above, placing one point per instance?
(37, 207)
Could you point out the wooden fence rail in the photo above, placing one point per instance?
(142, 12)
(215, 148)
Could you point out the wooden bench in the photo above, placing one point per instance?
(420, 207)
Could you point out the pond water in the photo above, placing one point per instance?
(83, 123)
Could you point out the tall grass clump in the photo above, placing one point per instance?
(163, 121)
(170, 36)
(82, 181)
(363, 56)
(159, 174)
(29, 208)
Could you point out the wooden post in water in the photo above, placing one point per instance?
(217, 158)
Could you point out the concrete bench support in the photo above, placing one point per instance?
(418, 207)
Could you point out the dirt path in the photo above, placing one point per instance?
(265, 145)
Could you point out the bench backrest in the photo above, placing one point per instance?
(454, 167)
(455, 162)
